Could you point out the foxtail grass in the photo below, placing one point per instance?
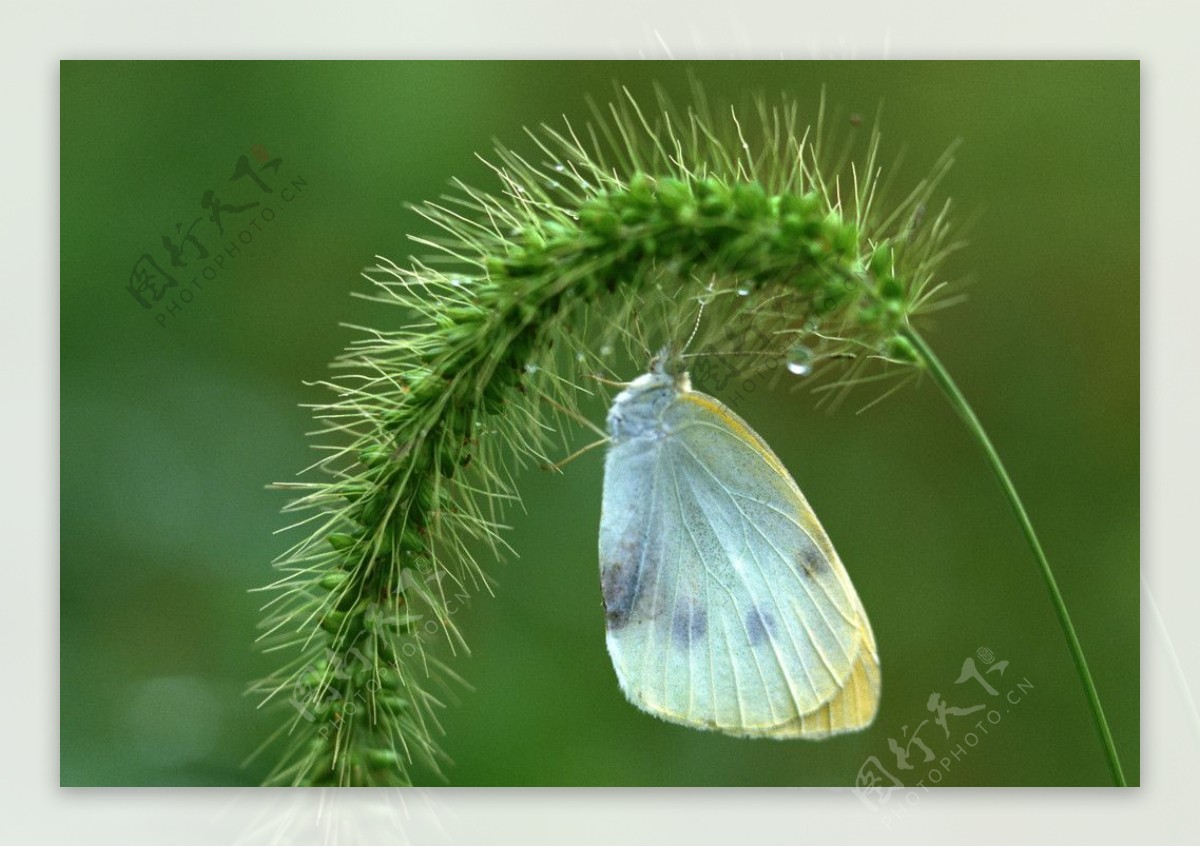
(593, 236)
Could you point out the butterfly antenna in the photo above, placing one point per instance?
(695, 329)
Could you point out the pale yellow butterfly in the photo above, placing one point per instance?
(726, 606)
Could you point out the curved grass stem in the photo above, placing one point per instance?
(942, 377)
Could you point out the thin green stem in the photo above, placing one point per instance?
(942, 377)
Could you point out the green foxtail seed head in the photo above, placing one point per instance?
(610, 233)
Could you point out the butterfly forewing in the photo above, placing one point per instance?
(727, 607)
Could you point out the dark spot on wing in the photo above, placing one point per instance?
(619, 580)
(689, 623)
(810, 558)
(760, 626)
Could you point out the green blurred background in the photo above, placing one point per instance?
(170, 433)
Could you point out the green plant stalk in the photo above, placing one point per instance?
(956, 399)
(429, 421)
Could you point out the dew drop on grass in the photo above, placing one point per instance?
(743, 290)
(800, 360)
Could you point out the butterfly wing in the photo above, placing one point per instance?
(727, 607)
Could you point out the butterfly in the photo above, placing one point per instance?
(726, 606)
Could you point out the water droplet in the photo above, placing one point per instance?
(531, 368)
(606, 350)
(457, 282)
(559, 168)
(800, 360)
(743, 290)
